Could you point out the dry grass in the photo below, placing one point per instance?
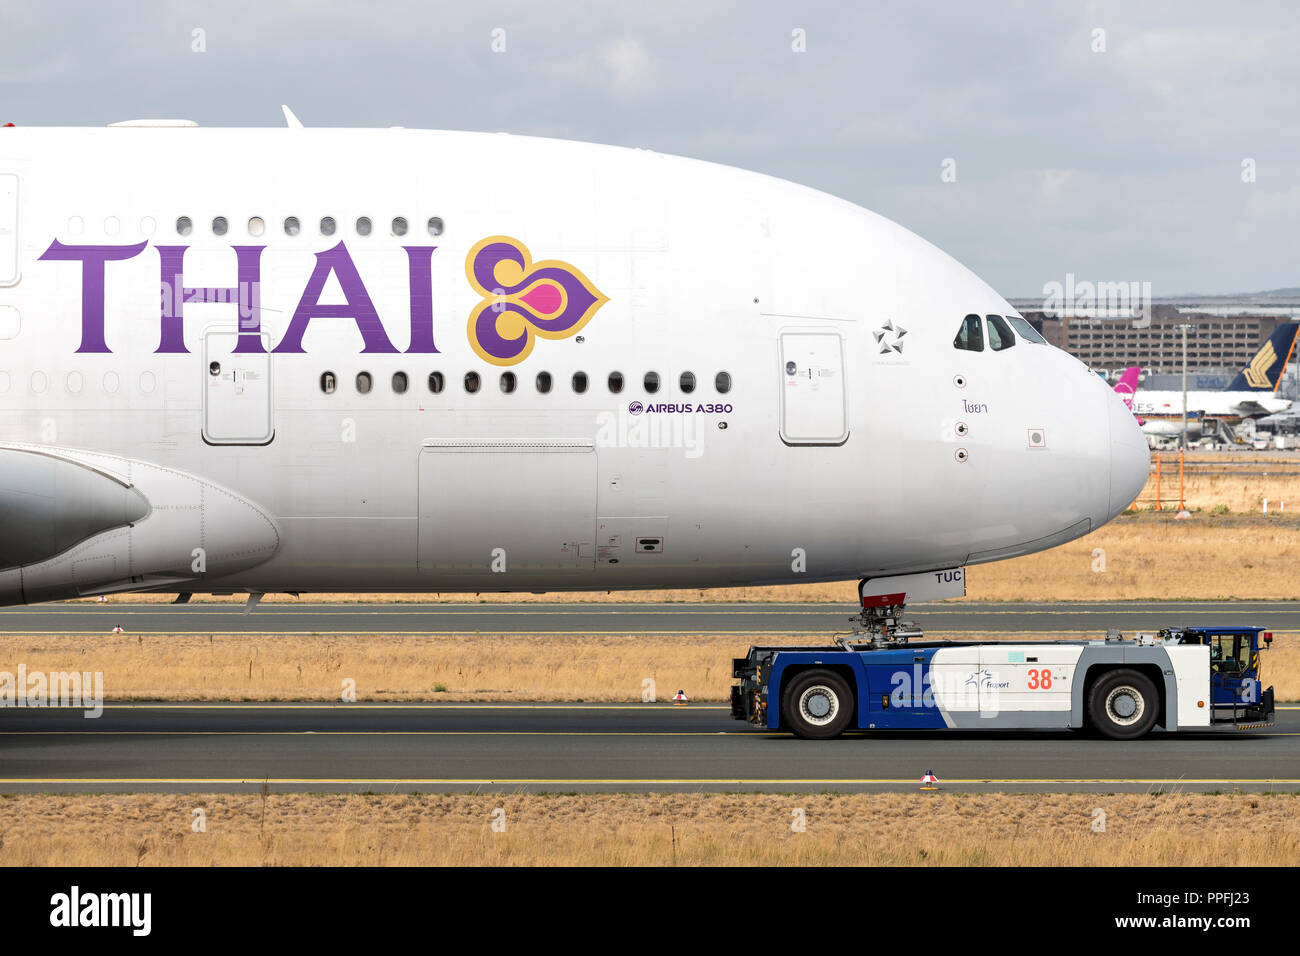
(389, 667)
(1154, 557)
(1240, 487)
(439, 667)
(1281, 667)
(750, 830)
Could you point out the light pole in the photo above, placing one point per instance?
(1185, 328)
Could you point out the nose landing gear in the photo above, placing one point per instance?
(880, 623)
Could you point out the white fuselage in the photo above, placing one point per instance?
(832, 454)
(1230, 405)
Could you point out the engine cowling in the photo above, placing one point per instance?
(76, 523)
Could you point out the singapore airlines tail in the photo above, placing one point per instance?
(1265, 370)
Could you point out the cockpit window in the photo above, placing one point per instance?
(1027, 331)
(1000, 334)
(971, 334)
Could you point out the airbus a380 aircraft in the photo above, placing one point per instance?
(387, 360)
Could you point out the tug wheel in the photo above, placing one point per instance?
(1122, 704)
(817, 704)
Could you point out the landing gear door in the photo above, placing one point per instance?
(813, 399)
(237, 399)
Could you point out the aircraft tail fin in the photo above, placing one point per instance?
(1265, 370)
(1127, 385)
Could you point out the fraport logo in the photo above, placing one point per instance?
(984, 679)
(636, 408)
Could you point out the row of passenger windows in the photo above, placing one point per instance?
(970, 336)
(509, 382)
(328, 226)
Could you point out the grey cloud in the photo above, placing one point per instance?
(1117, 165)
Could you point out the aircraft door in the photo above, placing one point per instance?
(237, 399)
(813, 400)
(8, 229)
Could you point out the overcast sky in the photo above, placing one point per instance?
(1115, 156)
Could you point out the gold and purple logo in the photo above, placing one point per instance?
(523, 299)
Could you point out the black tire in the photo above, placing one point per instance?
(817, 704)
(1123, 704)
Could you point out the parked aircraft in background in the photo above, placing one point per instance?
(1250, 395)
(1127, 386)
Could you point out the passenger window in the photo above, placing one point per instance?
(1000, 334)
(328, 383)
(220, 225)
(436, 382)
(651, 382)
(1027, 331)
(400, 382)
(971, 334)
(687, 382)
(327, 226)
(508, 382)
(184, 226)
(616, 382)
(364, 382)
(543, 382)
(472, 382)
(435, 226)
(292, 226)
(399, 226)
(722, 382)
(579, 382)
(256, 226)
(363, 226)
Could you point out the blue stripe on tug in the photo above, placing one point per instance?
(892, 686)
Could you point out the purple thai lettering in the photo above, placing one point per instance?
(357, 305)
(92, 259)
(419, 260)
(175, 294)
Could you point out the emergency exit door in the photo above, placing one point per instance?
(237, 399)
(813, 409)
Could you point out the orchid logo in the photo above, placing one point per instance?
(636, 408)
(523, 299)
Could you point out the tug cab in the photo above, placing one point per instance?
(1236, 692)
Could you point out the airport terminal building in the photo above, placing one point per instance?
(1226, 335)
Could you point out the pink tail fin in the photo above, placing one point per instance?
(1127, 385)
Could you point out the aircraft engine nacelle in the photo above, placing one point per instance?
(75, 523)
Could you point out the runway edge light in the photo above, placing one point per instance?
(929, 781)
(681, 698)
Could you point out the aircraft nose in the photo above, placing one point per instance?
(1130, 458)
